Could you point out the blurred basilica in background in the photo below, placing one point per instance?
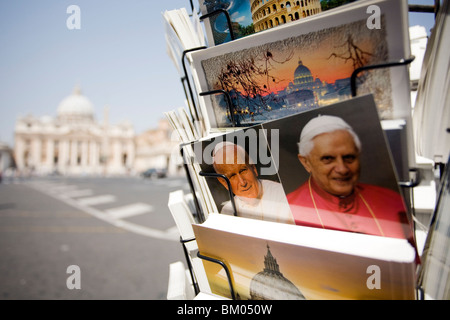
(74, 143)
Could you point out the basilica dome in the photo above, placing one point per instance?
(302, 75)
(270, 284)
(76, 107)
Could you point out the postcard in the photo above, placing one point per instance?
(330, 167)
(307, 64)
(246, 17)
(337, 170)
(243, 157)
(217, 27)
(272, 261)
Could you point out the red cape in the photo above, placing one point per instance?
(370, 210)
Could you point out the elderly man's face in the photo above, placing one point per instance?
(243, 177)
(334, 162)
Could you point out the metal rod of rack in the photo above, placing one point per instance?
(227, 100)
(376, 66)
(221, 263)
(222, 176)
(425, 8)
(200, 215)
(227, 16)
(188, 261)
(186, 79)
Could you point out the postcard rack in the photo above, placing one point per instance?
(402, 62)
(224, 266)
(210, 259)
(353, 84)
(199, 214)
(185, 79)
(229, 102)
(425, 8)
(227, 16)
(235, 123)
(355, 73)
(217, 175)
(190, 267)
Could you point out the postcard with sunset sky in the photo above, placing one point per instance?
(302, 66)
(275, 268)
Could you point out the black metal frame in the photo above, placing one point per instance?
(188, 261)
(355, 73)
(228, 101)
(227, 16)
(230, 192)
(186, 79)
(203, 257)
(199, 213)
(425, 8)
(223, 265)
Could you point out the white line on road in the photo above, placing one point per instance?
(92, 201)
(63, 188)
(153, 233)
(168, 234)
(79, 193)
(129, 210)
(168, 183)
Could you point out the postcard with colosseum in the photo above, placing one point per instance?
(307, 64)
(249, 16)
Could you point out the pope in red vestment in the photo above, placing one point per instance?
(369, 209)
(333, 197)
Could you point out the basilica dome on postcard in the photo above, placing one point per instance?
(302, 75)
(270, 284)
(75, 107)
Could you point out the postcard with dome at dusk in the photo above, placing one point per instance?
(307, 64)
(276, 261)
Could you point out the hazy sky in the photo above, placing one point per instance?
(118, 58)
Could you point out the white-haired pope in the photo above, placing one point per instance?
(254, 198)
(333, 197)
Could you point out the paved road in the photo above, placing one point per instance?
(118, 231)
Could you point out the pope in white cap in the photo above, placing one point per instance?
(333, 197)
(254, 198)
(335, 140)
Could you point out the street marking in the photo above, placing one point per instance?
(63, 188)
(79, 193)
(168, 183)
(168, 234)
(173, 230)
(92, 201)
(129, 210)
(60, 229)
(175, 184)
